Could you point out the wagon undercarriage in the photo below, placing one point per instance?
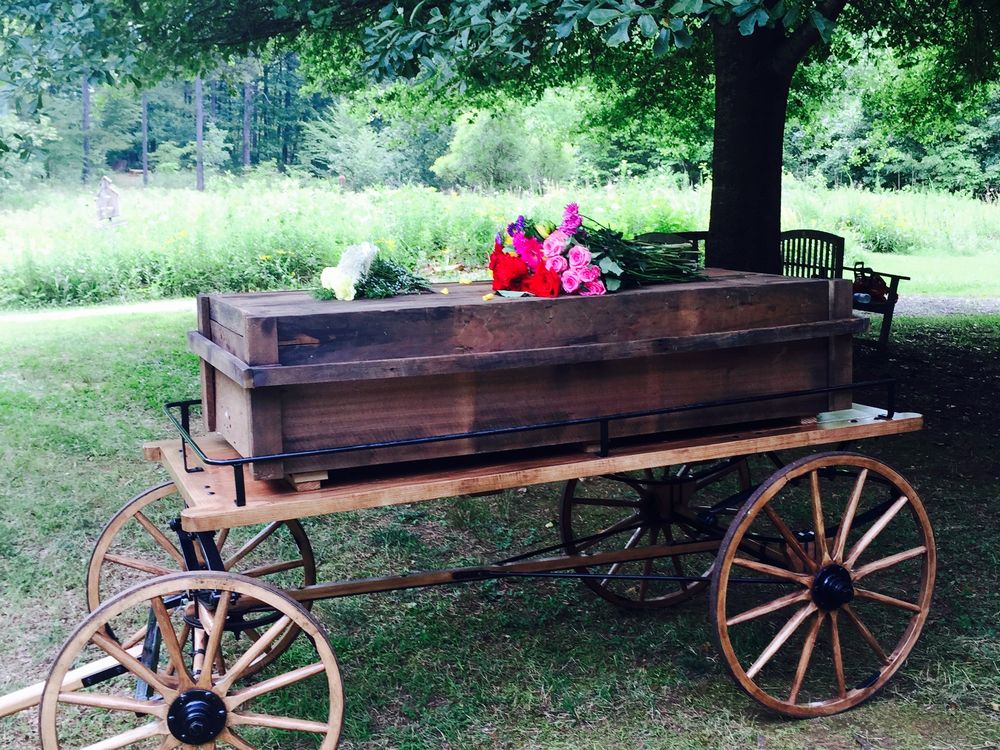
(195, 623)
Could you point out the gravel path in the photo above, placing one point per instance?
(917, 305)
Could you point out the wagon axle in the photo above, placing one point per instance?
(832, 588)
(197, 716)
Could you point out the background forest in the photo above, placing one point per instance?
(300, 159)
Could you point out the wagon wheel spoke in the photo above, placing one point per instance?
(626, 524)
(675, 559)
(819, 526)
(214, 639)
(772, 570)
(230, 737)
(647, 567)
(884, 599)
(248, 718)
(789, 537)
(133, 665)
(848, 520)
(237, 699)
(134, 639)
(781, 638)
(607, 502)
(804, 658)
(127, 738)
(888, 562)
(633, 540)
(171, 642)
(256, 649)
(169, 743)
(220, 540)
(251, 545)
(838, 656)
(112, 703)
(279, 567)
(137, 564)
(874, 531)
(772, 606)
(182, 638)
(866, 634)
(160, 538)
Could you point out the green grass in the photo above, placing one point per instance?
(262, 233)
(513, 664)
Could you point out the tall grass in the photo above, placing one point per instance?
(265, 234)
(277, 232)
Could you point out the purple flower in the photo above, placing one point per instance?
(571, 219)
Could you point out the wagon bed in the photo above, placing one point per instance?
(209, 492)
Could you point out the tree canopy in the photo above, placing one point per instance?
(752, 48)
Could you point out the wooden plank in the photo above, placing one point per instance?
(219, 359)
(465, 324)
(207, 371)
(374, 411)
(415, 366)
(209, 495)
(31, 695)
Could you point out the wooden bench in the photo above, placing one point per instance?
(810, 253)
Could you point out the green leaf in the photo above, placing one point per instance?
(662, 43)
(619, 34)
(565, 28)
(612, 285)
(608, 266)
(823, 25)
(601, 16)
(683, 39)
(791, 16)
(758, 18)
(647, 26)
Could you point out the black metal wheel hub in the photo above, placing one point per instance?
(832, 587)
(196, 716)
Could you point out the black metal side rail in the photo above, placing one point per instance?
(603, 422)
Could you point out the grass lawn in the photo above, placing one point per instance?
(515, 664)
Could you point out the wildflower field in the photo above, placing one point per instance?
(267, 233)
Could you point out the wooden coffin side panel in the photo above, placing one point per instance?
(324, 415)
(250, 421)
(841, 348)
(470, 325)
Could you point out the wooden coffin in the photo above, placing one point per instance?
(285, 372)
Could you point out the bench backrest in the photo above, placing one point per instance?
(809, 253)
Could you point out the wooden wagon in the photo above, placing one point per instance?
(819, 575)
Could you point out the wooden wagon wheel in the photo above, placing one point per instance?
(651, 507)
(135, 546)
(844, 591)
(301, 703)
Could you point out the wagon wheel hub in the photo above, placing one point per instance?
(196, 716)
(832, 587)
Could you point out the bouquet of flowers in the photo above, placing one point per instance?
(365, 274)
(548, 261)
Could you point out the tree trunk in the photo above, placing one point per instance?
(85, 126)
(145, 138)
(750, 103)
(249, 85)
(199, 132)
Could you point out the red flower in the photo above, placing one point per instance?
(509, 273)
(544, 283)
